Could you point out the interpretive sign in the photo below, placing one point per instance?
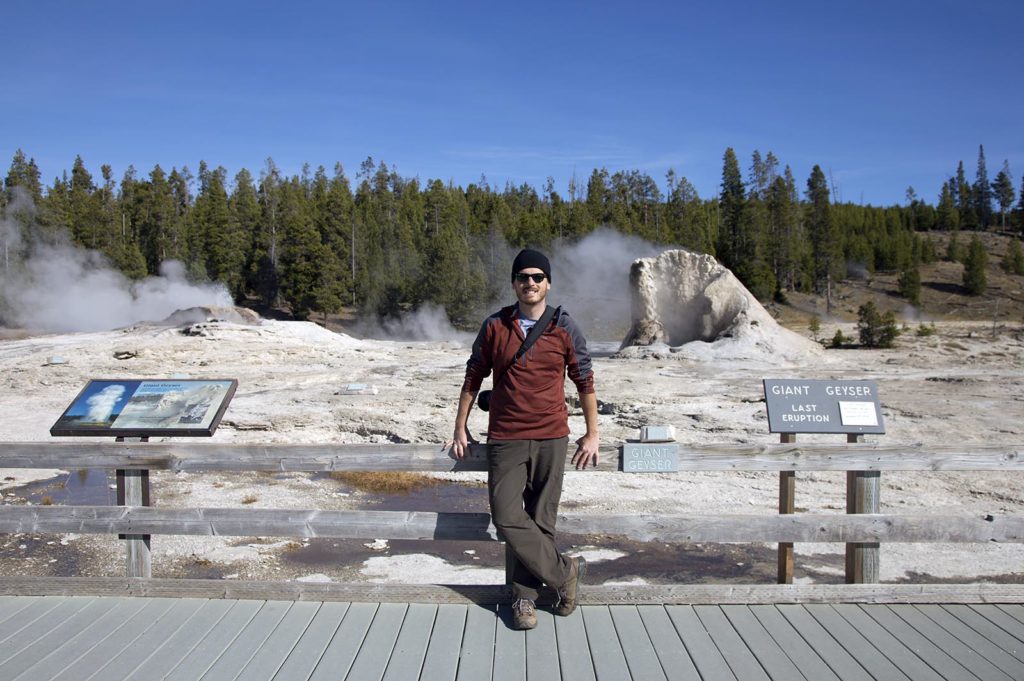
(647, 457)
(147, 408)
(817, 406)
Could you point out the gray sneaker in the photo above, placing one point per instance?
(569, 594)
(524, 612)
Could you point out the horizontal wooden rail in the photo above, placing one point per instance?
(196, 456)
(694, 594)
(251, 522)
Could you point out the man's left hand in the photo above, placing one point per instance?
(586, 452)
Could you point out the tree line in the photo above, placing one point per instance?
(383, 244)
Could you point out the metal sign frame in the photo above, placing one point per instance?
(823, 406)
(149, 407)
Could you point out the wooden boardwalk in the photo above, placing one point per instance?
(80, 638)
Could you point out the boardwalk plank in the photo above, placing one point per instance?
(735, 651)
(895, 650)
(605, 647)
(542, 650)
(341, 652)
(806, 659)
(856, 644)
(936, 657)
(411, 647)
(671, 652)
(964, 655)
(771, 657)
(379, 643)
(134, 657)
(573, 648)
(702, 649)
(64, 643)
(509, 649)
(209, 649)
(274, 651)
(248, 641)
(303, 658)
(35, 620)
(476, 659)
(637, 646)
(442, 660)
(835, 656)
(990, 651)
(118, 641)
(178, 647)
(988, 629)
(1014, 610)
(12, 605)
(1002, 619)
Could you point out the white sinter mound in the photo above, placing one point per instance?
(690, 302)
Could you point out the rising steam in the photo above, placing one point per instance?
(62, 288)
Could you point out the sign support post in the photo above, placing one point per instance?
(787, 505)
(862, 496)
(133, 490)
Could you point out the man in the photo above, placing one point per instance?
(528, 432)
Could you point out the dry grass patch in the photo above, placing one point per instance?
(250, 499)
(384, 482)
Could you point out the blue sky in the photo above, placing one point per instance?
(882, 94)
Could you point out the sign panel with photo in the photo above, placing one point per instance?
(147, 408)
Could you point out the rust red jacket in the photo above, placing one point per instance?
(529, 403)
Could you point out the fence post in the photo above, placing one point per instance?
(787, 499)
(862, 496)
(133, 490)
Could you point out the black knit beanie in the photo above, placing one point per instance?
(531, 258)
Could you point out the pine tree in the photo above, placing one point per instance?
(954, 252)
(224, 250)
(965, 203)
(876, 330)
(910, 284)
(948, 218)
(156, 219)
(180, 182)
(301, 251)
(982, 192)
(19, 204)
(974, 268)
(1002, 189)
(1013, 261)
(824, 235)
(244, 220)
(23, 173)
(731, 201)
(83, 207)
(263, 275)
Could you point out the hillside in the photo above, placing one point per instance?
(943, 297)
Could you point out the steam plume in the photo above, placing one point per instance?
(62, 288)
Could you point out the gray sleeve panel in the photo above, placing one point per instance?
(581, 369)
(479, 364)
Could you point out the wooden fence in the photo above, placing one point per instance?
(135, 520)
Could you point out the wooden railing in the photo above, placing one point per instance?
(135, 521)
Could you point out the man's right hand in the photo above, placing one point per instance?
(462, 438)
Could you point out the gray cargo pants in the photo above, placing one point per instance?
(524, 481)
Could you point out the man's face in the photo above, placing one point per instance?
(530, 292)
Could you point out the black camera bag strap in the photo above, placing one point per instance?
(535, 332)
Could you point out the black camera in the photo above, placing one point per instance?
(483, 400)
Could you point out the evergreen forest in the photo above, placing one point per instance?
(382, 244)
